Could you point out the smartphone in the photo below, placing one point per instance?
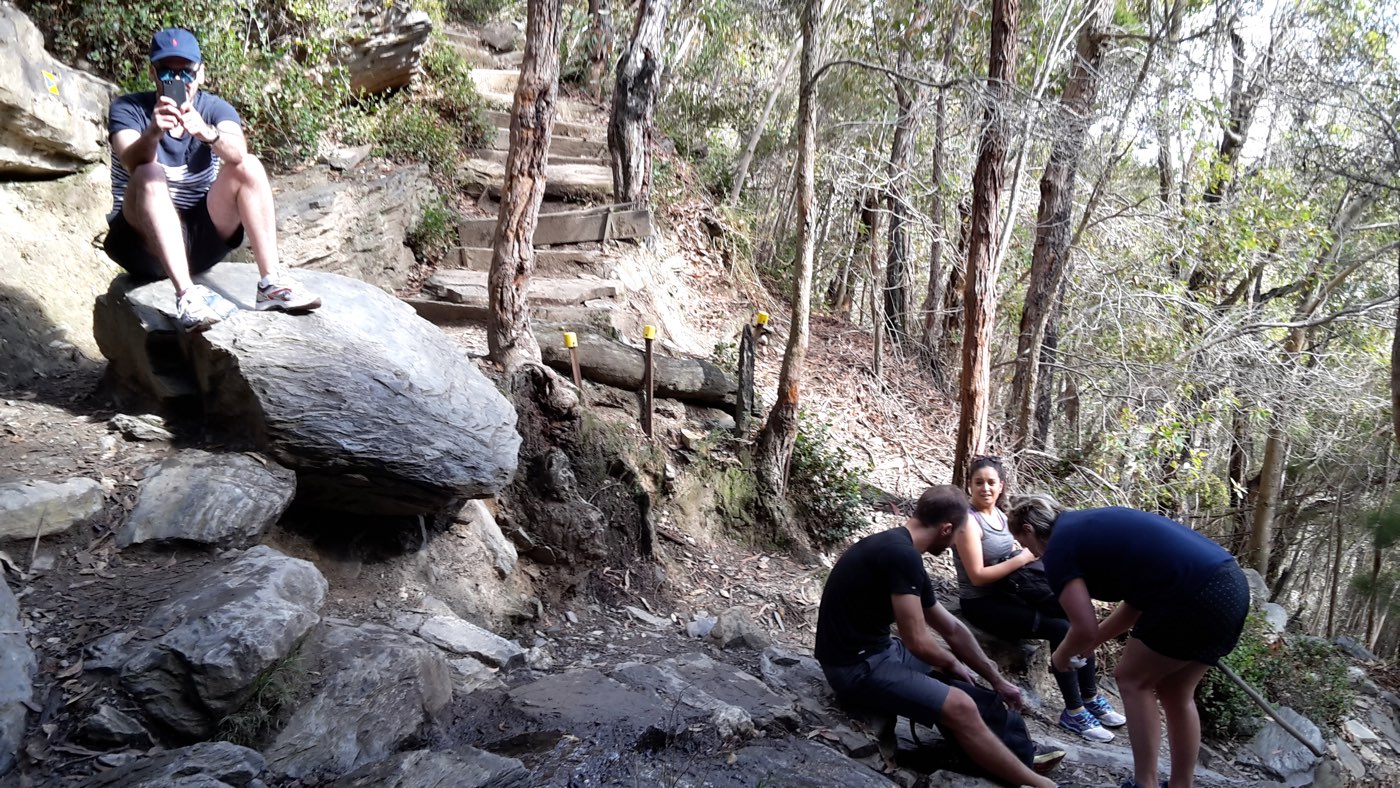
(176, 90)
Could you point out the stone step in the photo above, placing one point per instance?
(592, 132)
(499, 156)
(588, 225)
(561, 263)
(579, 182)
(575, 147)
(497, 89)
(472, 50)
(447, 313)
(461, 286)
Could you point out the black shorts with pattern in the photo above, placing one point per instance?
(1204, 626)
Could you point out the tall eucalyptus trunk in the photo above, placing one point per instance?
(631, 127)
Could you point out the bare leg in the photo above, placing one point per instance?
(960, 716)
(1139, 671)
(148, 208)
(242, 195)
(1178, 694)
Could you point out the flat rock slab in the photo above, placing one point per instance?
(379, 688)
(40, 508)
(200, 654)
(700, 683)
(560, 145)
(799, 677)
(17, 667)
(784, 764)
(198, 496)
(376, 410)
(584, 182)
(1278, 753)
(586, 702)
(470, 287)
(464, 767)
(204, 765)
(463, 637)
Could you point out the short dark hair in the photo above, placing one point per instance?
(943, 503)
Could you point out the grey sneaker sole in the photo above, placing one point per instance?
(268, 306)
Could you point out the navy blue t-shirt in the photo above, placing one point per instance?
(856, 611)
(1129, 555)
(190, 165)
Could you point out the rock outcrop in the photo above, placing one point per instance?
(374, 408)
(219, 499)
(40, 508)
(17, 668)
(206, 765)
(55, 116)
(384, 45)
(465, 767)
(204, 649)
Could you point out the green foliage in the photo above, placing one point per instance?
(452, 92)
(1303, 673)
(435, 233)
(473, 12)
(272, 61)
(824, 484)
(726, 357)
(271, 699)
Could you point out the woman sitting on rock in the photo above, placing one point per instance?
(989, 563)
(1183, 596)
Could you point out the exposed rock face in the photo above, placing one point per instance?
(109, 727)
(1277, 752)
(374, 408)
(465, 767)
(385, 43)
(17, 668)
(55, 116)
(204, 765)
(379, 688)
(39, 508)
(354, 225)
(700, 683)
(477, 518)
(220, 499)
(210, 645)
(465, 638)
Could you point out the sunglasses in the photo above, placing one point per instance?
(185, 75)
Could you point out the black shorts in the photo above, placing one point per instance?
(1204, 626)
(203, 245)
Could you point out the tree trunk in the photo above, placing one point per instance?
(979, 299)
(1166, 120)
(1052, 234)
(931, 341)
(909, 101)
(957, 280)
(630, 129)
(741, 170)
(1261, 536)
(600, 45)
(508, 335)
(773, 451)
(1395, 370)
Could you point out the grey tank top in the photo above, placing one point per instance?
(997, 546)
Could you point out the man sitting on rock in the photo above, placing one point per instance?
(880, 581)
(184, 189)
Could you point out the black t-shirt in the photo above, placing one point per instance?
(856, 612)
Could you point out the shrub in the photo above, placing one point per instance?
(473, 12)
(434, 234)
(1303, 673)
(824, 484)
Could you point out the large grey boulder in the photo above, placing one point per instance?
(384, 43)
(1278, 753)
(40, 508)
(701, 685)
(354, 224)
(199, 496)
(203, 765)
(379, 688)
(17, 668)
(465, 767)
(376, 410)
(55, 116)
(199, 654)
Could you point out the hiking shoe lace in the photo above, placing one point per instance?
(288, 296)
(1104, 711)
(199, 308)
(1086, 725)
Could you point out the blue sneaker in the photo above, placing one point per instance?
(1104, 712)
(1086, 725)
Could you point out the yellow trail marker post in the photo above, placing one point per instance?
(648, 381)
(571, 342)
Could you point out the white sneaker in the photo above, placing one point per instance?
(288, 296)
(199, 308)
(1086, 725)
(1103, 710)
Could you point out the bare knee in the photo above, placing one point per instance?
(959, 712)
(249, 170)
(147, 178)
(1130, 680)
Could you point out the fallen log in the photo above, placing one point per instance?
(612, 363)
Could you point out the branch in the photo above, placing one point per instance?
(891, 72)
(1317, 321)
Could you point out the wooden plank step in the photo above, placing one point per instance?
(583, 182)
(561, 263)
(499, 156)
(590, 225)
(558, 146)
(592, 132)
(461, 286)
(446, 313)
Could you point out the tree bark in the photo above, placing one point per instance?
(909, 101)
(741, 170)
(509, 339)
(979, 297)
(1052, 235)
(631, 127)
(773, 451)
(600, 45)
(931, 340)
(1395, 370)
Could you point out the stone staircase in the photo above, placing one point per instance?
(575, 279)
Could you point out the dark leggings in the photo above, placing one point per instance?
(1012, 619)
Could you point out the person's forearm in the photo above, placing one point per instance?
(143, 150)
(1079, 640)
(1119, 621)
(996, 572)
(228, 146)
(966, 648)
(928, 650)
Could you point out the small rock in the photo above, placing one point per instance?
(571, 616)
(461, 637)
(648, 618)
(1360, 733)
(470, 674)
(109, 727)
(107, 652)
(146, 427)
(1348, 759)
(1354, 650)
(500, 36)
(700, 627)
(348, 158)
(736, 628)
(40, 508)
(732, 721)
(1275, 620)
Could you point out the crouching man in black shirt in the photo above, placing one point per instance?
(881, 580)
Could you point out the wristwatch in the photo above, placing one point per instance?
(217, 135)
